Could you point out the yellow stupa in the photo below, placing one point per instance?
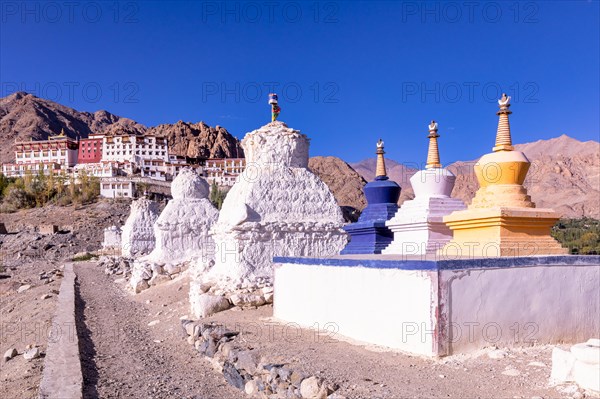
(502, 220)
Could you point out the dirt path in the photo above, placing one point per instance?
(124, 357)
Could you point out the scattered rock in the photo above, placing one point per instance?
(9, 354)
(232, 376)
(537, 364)
(511, 372)
(31, 354)
(153, 323)
(159, 279)
(296, 378)
(139, 286)
(46, 296)
(251, 388)
(172, 269)
(23, 288)
(497, 354)
(210, 304)
(269, 297)
(310, 388)
(248, 360)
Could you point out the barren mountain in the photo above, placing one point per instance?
(24, 116)
(564, 175)
(199, 140)
(343, 181)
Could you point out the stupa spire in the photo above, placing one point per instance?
(380, 172)
(433, 154)
(503, 139)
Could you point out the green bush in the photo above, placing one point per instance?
(217, 195)
(581, 236)
(40, 189)
(18, 197)
(83, 258)
(4, 182)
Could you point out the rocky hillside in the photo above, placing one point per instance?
(24, 116)
(199, 140)
(564, 175)
(343, 181)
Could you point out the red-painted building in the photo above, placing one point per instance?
(90, 150)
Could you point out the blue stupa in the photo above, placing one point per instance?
(369, 235)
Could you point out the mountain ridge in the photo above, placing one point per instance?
(564, 175)
(24, 116)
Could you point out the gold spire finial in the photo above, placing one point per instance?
(503, 139)
(380, 170)
(433, 154)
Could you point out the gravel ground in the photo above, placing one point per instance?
(362, 371)
(25, 319)
(123, 357)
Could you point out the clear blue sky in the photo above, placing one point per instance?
(347, 73)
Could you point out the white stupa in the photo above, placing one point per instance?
(418, 226)
(137, 235)
(112, 240)
(182, 228)
(276, 208)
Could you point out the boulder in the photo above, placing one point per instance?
(310, 388)
(206, 305)
(9, 354)
(31, 354)
(248, 360)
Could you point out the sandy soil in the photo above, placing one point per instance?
(25, 319)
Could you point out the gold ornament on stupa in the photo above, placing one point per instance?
(502, 220)
(433, 153)
(380, 169)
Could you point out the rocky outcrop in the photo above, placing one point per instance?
(198, 140)
(343, 181)
(24, 116)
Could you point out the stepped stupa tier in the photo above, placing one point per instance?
(369, 234)
(502, 220)
(276, 208)
(418, 226)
